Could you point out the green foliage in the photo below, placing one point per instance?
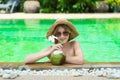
(113, 5)
(62, 6)
(113, 2)
(4, 1)
(21, 5)
(67, 6)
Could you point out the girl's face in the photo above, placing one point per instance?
(62, 34)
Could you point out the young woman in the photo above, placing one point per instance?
(65, 32)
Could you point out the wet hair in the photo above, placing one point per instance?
(64, 26)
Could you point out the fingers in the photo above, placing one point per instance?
(57, 46)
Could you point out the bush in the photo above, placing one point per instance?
(63, 6)
(114, 5)
(67, 6)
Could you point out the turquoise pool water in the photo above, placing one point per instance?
(99, 38)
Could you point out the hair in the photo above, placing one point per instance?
(64, 26)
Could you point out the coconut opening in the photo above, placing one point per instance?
(57, 52)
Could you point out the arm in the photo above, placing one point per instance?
(34, 57)
(78, 57)
(45, 52)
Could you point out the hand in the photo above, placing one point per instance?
(57, 47)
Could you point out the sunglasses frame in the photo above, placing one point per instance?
(65, 33)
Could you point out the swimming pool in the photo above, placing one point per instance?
(99, 38)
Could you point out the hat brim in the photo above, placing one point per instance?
(73, 34)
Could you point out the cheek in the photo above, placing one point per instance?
(67, 38)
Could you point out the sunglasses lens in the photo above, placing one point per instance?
(58, 34)
(65, 33)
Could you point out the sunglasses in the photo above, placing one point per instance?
(65, 33)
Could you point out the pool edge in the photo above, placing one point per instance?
(47, 65)
(58, 15)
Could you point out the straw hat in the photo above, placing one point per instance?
(73, 34)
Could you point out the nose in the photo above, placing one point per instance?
(62, 36)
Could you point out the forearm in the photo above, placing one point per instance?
(34, 57)
(74, 60)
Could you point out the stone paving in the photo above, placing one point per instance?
(59, 78)
(67, 68)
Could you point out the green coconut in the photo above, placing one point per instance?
(57, 58)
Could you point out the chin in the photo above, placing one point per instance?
(65, 42)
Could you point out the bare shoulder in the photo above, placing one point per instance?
(74, 42)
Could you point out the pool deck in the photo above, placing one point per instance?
(58, 15)
(48, 65)
(35, 77)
